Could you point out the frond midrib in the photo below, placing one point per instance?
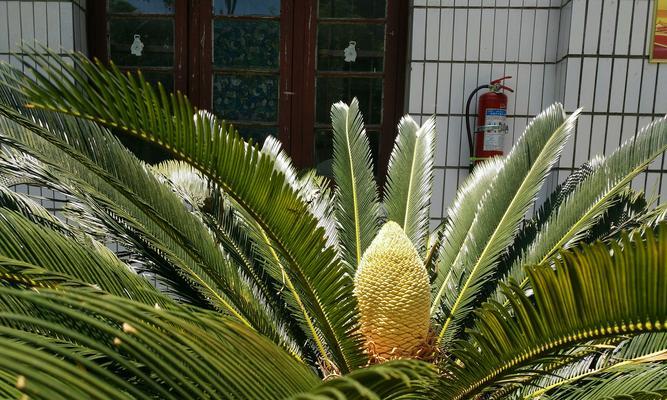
(353, 180)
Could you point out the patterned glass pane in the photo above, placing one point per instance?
(246, 97)
(246, 44)
(247, 7)
(367, 90)
(353, 8)
(142, 6)
(136, 42)
(342, 47)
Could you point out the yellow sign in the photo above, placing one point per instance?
(658, 49)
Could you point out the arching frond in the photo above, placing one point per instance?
(460, 216)
(29, 209)
(245, 174)
(591, 293)
(588, 202)
(127, 198)
(27, 242)
(501, 211)
(409, 179)
(147, 352)
(636, 380)
(357, 204)
(313, 189)
(608, 361)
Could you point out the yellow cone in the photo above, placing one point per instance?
(393, 292)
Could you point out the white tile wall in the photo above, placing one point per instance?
(590, 53)
(56, 24)
(61, 25)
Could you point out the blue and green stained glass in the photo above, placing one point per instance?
(246, 43)
(246, 97)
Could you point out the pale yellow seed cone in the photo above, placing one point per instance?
(393, 292)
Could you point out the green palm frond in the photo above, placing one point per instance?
(149, 352)
(629, 206)
(587, 203)
(641, 349)
(255, 252)
(460, 216)
(391, 380)
(127, 198)
(638, 380)
(410, 178)
(591, 293)
(246, 175)
(121, 198)
(248, 249)
(501, 211)
(357, 204)
(627, 211)
(647, 218)
(25, 241)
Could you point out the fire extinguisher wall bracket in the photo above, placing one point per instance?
(491, 121)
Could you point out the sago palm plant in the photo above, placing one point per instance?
(271, 283)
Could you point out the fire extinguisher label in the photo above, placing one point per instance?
(495, 129)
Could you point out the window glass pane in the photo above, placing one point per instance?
(246, 44)
(333, 89)
(345, 47)
(142, 6)
(247, 7)
(139, 42)
(246, 97)
(353, 8)
(165, 78)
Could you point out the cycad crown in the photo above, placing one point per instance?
(392, 288)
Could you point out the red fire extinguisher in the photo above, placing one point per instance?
(491, 121)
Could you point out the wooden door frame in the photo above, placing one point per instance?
(298, 44)
(303, 72)
(394, 84)
(304, 76)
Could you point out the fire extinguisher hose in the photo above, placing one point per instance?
(467, 117)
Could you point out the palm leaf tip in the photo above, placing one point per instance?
(410, 178)
(357, 206)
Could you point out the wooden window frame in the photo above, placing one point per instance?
(193, 66)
